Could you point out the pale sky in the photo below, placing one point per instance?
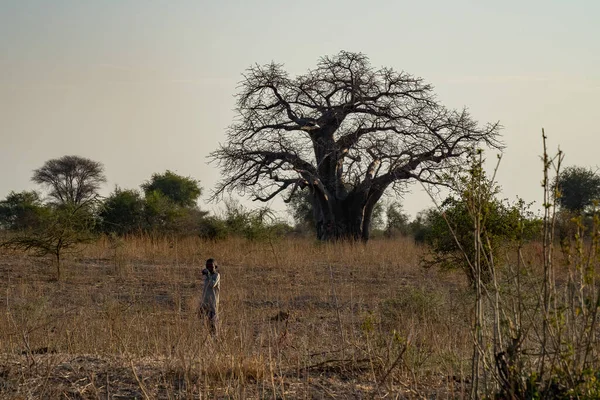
(145, 86)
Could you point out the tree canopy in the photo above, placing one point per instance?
(123, 212)
(71, 179)
(578, 189)
(21, 211)
(345, 132)
(181, 190)
(61, 230)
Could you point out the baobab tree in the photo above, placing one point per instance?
(344, 131)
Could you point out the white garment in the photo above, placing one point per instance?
(210, 293)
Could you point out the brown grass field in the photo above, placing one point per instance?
(299, 319)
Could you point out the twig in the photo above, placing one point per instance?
(389, 371)
(343, 360)
(141, 385)
(337, 311)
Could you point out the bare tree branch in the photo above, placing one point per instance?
(344, 130)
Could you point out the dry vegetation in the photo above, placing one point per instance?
(299, 320)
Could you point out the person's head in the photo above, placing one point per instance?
(211, 265)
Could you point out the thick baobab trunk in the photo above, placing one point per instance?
(340, 219)
(345, 219)
(341, 212)
(336, 214)
(333, 230)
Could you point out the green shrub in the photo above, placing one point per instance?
(475, 223)
(22, 211)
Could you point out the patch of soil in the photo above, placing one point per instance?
(49, 376)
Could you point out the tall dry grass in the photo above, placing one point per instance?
(298, 319)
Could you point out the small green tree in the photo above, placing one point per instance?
(578, 189)
(213, 228)
(420, 227)
(301, 210)
(397, 221)
(189, 221)
(170, 204)
(160, 212)
(453, 223)
(182, 191)
(378, 218)
(452, 228)
(122, 212)
(22, 211)
(61, 231)
(258, 224)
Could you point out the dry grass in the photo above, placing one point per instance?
(299, 320)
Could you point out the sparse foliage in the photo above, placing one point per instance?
(301, 209)
(61, 231)
(397, 221)
(255, 224)
(345, 132)
(71, 179)
(450, 230)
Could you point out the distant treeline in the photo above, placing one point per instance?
(167, 204)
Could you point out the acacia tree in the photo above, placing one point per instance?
(71, 179)
(61, 231)
(344, 131)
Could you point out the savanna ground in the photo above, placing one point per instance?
(299, 319)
